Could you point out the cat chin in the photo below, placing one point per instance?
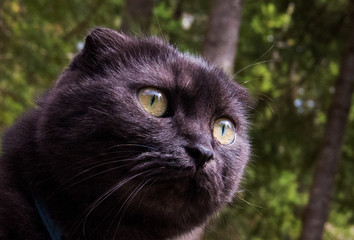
(189, 196)
(180, 213)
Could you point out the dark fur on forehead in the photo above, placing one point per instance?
(106, 48)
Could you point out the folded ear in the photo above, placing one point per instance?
(104, 39)
(100, 44)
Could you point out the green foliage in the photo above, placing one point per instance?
(37, 40)
(172, 19)
(288, 57)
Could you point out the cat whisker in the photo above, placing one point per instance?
(269, 101)
(254, 206)
(68, 183)
(63, 188)
(271, 47)
(95, 166)
(133, 145)
(133, 159)
(251, 65)
(72, 168)
(103, 154)
(238, 197)
(125, 145)
(128, 202)
(99, 201)
(255, 62)
(156, 178)
(105, 195)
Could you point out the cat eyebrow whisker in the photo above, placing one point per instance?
(251, 65)
(255, 62)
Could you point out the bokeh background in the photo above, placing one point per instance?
(289, 55)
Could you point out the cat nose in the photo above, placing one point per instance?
(200, 154)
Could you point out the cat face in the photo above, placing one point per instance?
(137, 124)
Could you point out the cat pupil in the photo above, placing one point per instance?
(223, 130)
(152, 100)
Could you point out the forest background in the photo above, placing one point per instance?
(291, 55)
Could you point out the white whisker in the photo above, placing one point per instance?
(105, 195)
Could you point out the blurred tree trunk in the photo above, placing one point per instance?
(316, 212)
(221, 39)
(137, 16)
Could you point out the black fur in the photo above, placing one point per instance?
(106, 169)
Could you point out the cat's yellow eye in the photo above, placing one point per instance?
(153, 101)
(224, 131)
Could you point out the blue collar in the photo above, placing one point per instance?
(54, 231)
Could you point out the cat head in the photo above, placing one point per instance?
(135, 122)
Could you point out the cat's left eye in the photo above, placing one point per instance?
(153, 101)
(224, 131)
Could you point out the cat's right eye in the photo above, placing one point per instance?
(153, 101)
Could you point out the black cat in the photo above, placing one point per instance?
(135, 141)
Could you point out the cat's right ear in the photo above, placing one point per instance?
(100, 44)
(105, 39)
